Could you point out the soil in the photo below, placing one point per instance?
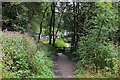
(63, 66)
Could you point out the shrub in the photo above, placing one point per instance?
(22, 57)
(60, 43)
(42, 65)
(96, 53)
(95, 56)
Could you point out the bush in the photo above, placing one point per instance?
(60, 43)
(47, 49)
(95, 57)
(22, 57)
(42, 65)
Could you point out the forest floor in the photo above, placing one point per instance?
(63, 66)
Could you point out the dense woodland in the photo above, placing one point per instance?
(33, 32)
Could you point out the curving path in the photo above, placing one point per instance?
(64, 67)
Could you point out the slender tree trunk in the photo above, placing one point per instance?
(41, 24)
(50, 24)
(40, 31)
(58, 26)
(73, 29)
(53, 23)
(77, 30)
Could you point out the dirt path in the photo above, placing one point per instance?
(64, 67)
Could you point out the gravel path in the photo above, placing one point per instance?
(64, 67)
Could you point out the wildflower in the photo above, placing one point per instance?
(118, 66)
(3, 51)
(3, 58)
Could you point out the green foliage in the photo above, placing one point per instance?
(21, 57)
(24, 17)
(101, 59)
(42, 65)
(46, 48)
(96, 52)
(60, 43)
(93, 25)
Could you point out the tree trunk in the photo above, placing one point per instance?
(41, 24)
(74, 25)
(50, 24)
(73, 40)
(77, 30)
(53, 22)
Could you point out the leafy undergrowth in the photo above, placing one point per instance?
(60, 43)
(97, 54)
(97, 60)
(23, 58)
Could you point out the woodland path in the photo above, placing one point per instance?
(63, 66)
